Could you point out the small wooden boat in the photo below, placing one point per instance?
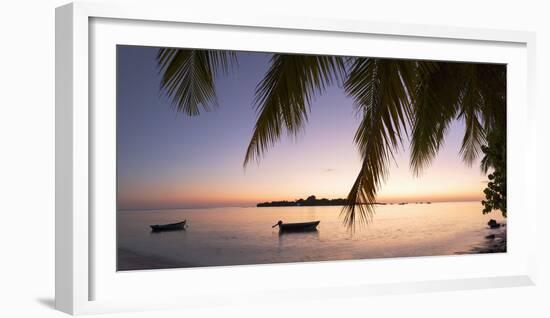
(297, 227)
(169, 227)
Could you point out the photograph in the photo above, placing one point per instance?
(227, 157)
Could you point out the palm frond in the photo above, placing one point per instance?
(380, 89)
(435, 101)
(188, 77)
(284, 96)
(471, 105)
(396, 99)
(492, 85)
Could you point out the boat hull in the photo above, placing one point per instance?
(168, 227)
(299, 227)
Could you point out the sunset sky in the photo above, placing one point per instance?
(167, 159)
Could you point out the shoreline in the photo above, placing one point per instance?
(128, 260)
(494, 242)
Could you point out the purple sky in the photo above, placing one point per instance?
(167, 159)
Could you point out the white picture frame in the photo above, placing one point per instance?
(86, 280)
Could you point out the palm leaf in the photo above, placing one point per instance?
(472, 102)
(492, 85)
(435, 101)
(475, 93)
(393, 98)
(188, 77)
(380, 89)
(284, 96)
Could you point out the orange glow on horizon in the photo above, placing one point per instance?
(174, 197)
(277, 180)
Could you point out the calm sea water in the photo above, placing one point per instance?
(235, 236)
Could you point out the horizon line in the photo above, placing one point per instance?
(254, 206)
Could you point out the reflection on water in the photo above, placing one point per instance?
(233, 236)
(289, 238)
(167, 233)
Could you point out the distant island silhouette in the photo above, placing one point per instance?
(313, 201)
(310, 201)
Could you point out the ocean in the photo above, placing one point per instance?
(243, 235)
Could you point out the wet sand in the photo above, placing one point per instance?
(494, 243)
(130, 260)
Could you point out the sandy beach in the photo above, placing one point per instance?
(130, 260)
(493, 243)
(490, 241)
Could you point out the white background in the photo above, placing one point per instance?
(27, 158)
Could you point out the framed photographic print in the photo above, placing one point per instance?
(243, 155)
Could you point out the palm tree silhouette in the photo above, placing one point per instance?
(397, 100)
